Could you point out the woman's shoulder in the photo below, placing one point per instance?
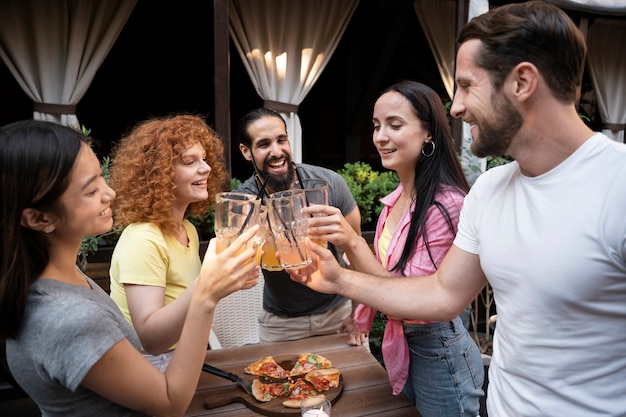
(143, 230)
(60, 304)
(140, 235)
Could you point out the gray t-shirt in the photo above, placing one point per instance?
(281, 295)
(66, 329)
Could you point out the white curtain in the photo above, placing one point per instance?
(606, 43)
(285, 45)
(53, 48)
(472, 165)
(437, 19)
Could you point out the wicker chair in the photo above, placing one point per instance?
(235, 322)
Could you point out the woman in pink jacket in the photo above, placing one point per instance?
(435, 364)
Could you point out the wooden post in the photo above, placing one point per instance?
(221, 63)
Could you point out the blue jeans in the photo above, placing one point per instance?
(446, 370)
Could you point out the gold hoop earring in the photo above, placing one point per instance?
(432, 150)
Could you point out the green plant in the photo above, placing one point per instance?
(204, 224)
(90, 244)
(234, 183)
(376, 336)
(368, 187)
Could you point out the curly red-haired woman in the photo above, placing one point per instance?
(164, 171)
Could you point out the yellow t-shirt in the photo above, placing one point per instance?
(383, 243)
(144, 256)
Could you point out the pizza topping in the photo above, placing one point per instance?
(320, 383)
(266, 368)
(267, 392)
(308, 362)
(300, 389)
(272, 370)
(324, 379)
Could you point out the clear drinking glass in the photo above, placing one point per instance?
(269, 261)
(234, 213)
(316, 192)
(289, 227)
(315, 407)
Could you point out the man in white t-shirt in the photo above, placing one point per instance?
(547, 231)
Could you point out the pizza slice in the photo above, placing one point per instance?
(268, 391)
(308, 362)
(266, 368)
(324, 379)
(299, 389)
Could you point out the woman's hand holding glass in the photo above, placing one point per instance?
(234, 268)
(234, 213)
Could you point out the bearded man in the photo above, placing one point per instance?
(290, 310)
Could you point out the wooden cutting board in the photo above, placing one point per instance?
(236, 394)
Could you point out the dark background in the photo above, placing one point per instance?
(162, 63)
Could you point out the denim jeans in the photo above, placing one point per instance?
(446, 370)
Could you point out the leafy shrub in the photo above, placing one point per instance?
(368, 187)
(90, 244)
(204, 224)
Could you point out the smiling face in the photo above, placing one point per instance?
(399, 135)
(192, 173)
(493, 119)
(270, 152)
(86, 203)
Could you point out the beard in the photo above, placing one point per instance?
(277, 182)
(495, 137)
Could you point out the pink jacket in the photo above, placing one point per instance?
(395, 348)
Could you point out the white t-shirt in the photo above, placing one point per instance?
(553, 248)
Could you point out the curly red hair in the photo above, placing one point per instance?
(142, 170)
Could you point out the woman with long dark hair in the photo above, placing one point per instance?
(67, 343)
(435, 364)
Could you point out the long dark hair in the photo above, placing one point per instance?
(252, 116)
(36, 159)
(432, 172)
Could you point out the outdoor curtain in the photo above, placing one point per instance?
(437, 19)
(53, 48)
(606, 43)
(285, 45)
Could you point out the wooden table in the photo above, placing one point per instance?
(366, 387)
